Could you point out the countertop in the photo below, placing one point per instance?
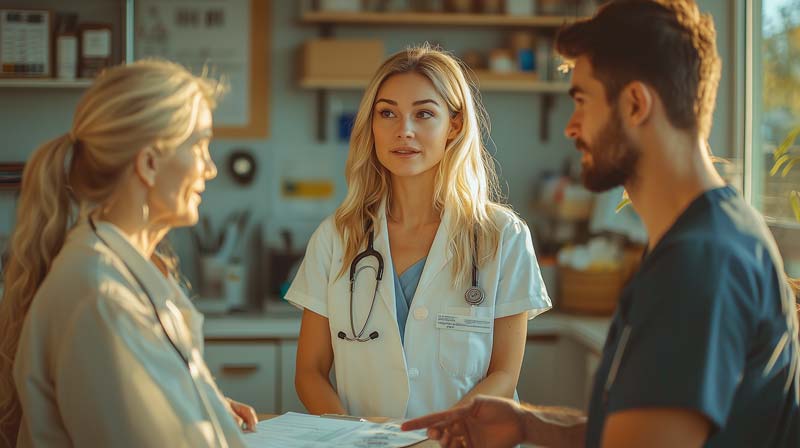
(283, 322)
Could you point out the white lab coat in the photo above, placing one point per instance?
(94, 367)
(436, 367)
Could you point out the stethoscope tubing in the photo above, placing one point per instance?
(474, 295)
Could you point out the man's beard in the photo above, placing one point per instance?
(614, 157)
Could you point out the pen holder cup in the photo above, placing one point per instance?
(212, 272)
(233, 286)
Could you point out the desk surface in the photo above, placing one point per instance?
(423, 444)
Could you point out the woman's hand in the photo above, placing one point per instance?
(244, 415)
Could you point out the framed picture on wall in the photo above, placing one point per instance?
(224, 38)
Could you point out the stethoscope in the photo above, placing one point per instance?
(194, 371)
(474, 295)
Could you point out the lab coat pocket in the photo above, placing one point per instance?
(466, 353)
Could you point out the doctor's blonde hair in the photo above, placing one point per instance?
(466, 184)
(127, 108)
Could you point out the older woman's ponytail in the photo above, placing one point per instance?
(43, 216)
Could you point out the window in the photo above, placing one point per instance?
(776, 114)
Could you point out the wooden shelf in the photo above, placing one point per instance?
(487, 81)
(444, 19)
(45, 83)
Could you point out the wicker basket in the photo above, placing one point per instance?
(589, 292)
(595, 292)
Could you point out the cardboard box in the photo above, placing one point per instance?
(341, 58)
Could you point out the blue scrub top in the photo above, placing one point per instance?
(704, 315)
(405, 286)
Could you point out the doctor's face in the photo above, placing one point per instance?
(609, 157)
(411, 125)
(182, 175)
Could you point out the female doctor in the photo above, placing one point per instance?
(105, 348)
(418, 290)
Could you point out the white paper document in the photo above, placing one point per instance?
(293, 430)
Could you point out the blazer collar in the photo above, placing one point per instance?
(167, 298)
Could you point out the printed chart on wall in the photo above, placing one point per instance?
(224, 37)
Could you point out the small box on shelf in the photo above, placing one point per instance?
(95, 48)
(340, 59)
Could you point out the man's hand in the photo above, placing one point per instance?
(489, 422)
(244, 415)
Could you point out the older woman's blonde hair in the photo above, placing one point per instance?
(466, 183)
(127, 108)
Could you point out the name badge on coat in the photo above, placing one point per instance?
(464, 323)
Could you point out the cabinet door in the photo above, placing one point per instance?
(246, 372)
(571, 373)
(290, 402)
(592, 362)
(537, 379)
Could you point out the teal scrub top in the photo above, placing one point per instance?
(700, 326)
(405, 285)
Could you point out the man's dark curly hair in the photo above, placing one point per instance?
(667, 44)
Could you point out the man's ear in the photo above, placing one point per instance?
(456, 123)
(636, 103)
(146, 166)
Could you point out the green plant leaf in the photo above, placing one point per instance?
(622, 204)
(789, 166)
(794, 199)
(778, 162)
(624, 201)
(786, 143)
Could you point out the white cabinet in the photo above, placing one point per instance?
(289, 399)
(257, 372)
(538, 374)
(556, 371)
(592, 362)
(246, 371)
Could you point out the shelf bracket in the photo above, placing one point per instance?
(325, 31)
(322, 114)
(546, 102)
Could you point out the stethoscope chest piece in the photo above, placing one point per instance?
(474, 296)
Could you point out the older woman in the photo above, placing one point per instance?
(105, 348)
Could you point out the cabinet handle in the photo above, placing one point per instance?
(544, 338)
(239, 369)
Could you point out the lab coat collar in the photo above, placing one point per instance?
(381, 244)
(439, 255)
